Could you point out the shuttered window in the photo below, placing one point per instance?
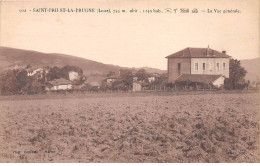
(196, 66)
(218, 67)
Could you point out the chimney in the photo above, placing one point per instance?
(224, 52)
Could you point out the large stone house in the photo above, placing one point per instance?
(204, 63)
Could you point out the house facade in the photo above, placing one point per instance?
(38, 73)
(112, 79)
(198, 61)
(59, 84)
(137, 86)
(73, 75)
(152, 77)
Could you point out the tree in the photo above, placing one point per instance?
(28, 66)
(236, 73)
(54, 73)
(159, 82)
(9, 83)
(142, 75)
(14, 82)
(118, 85)
(126, 80)
(111, 73)
(22, 79)
(34, 86)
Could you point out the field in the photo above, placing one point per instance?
(130, 128)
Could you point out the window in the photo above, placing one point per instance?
(204, 66)
(217, 66)
(224, 66)
(210, 66)
(196, 66)
(179, 68)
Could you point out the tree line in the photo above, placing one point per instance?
(17, 81)
(126, 78)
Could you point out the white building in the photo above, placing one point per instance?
(32, 72)
(112, 79)
(137, 86)
(59, 84)
(73, 75)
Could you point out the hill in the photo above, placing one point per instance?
(151, 70)
(253, 68)
(9, 57)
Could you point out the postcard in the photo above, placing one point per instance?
(137, 81)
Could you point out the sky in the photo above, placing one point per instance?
(131, 39)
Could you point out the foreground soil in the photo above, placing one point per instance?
(185, 128)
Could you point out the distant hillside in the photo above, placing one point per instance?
(253, 68)
(9, 57)
(151, 70)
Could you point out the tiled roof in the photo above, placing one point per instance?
(200, 78)
(60, 81)
(198, 53)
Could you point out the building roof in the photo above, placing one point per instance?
(200, 78)
(198, 53)
(60, 81)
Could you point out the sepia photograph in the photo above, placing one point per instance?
(130, 81)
